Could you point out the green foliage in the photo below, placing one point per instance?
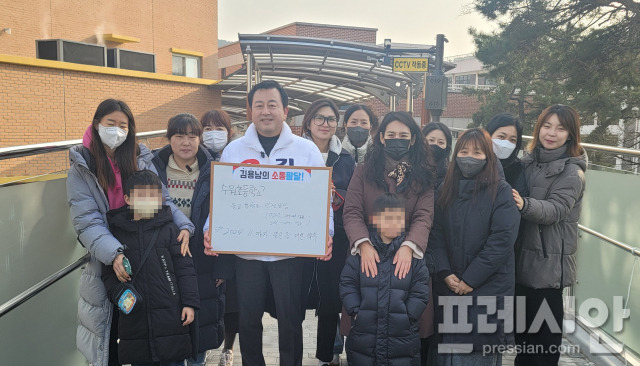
(582, 53)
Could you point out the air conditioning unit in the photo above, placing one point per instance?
(70, 51)
(131, 60)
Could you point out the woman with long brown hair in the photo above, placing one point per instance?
(109, 154)
(546, 257)
(475, 228)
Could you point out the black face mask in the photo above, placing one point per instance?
(438, 152)
(357, 135)
(470, 167)
(396, 148)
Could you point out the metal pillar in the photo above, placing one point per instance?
(249, 79)
(392, 102)
(410, 98)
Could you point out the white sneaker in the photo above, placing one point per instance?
(335, 361)
(226, 358)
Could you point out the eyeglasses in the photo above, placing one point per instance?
(319, 120)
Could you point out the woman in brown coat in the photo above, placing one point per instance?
(398, 161)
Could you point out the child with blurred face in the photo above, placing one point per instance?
(381, 332)
(159, 295)
(144, 201)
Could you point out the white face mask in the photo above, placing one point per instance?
(112, 136)
(215, 140)
(503, 148)
(146, 207)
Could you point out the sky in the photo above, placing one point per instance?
(408, 21)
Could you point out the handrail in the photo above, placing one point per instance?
(587, 146)
(633, 250)
(49, 147)
(40, 286)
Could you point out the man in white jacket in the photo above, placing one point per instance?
(269, 140)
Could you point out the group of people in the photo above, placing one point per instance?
(423, 233)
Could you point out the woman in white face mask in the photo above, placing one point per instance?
(506, 134)
(216, 127)
(108, 156)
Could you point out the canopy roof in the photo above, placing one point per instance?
(314, 68)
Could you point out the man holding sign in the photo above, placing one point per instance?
(269, 141)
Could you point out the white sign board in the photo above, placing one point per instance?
(270, 209)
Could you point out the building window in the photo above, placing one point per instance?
(188, 66)
(483, 80)
(466, 79)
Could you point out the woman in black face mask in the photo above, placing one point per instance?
(439, 139)
(475, 228)
(397, 162)
(360, 123)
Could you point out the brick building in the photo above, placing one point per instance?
(50, 100)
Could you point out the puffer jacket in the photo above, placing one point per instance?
(166, 282)
(546, 258)
(474, 239)
(210, 317)
(385, 331)
(88, 206)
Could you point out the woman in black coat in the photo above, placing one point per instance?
(506, 135)
(438, 137)
(210, 271)
(475, 228)
(319, 125)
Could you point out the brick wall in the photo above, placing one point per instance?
(361, 35)
(155, 22)
(461, 106)
(43, 105)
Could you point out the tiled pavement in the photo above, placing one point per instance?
(270, 347)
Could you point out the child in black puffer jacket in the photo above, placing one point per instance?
(154, 329)
(385, 309)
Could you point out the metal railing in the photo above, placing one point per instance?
(40, 286)
(49, 147)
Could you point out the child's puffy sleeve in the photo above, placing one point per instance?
(419, 290)
(350, 285)
(185, 273)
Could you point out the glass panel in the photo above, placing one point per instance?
(178, 65)
(42, 331)
(192, 68)
(37, 236)
(611, 206)
(37, 241)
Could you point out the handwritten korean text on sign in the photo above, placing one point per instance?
(274, 210)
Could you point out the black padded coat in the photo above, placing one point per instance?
(153, 331)
(385, 331)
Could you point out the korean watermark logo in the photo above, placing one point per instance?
(509, 312)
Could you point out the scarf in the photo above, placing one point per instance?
(399, 174)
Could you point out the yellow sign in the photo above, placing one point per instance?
(411, 64)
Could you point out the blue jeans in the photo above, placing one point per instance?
(198, 360)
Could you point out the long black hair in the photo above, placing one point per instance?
(125, 155)
(431, 126)
(419, 157)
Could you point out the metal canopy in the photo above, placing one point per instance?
(314, 68)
